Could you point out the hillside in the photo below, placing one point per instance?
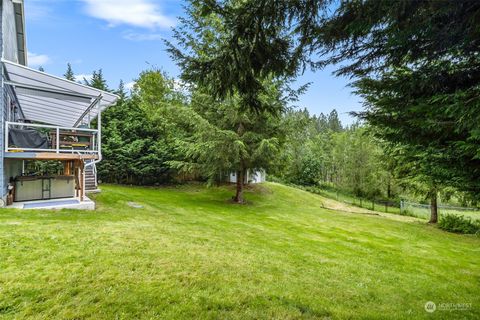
(188, 252)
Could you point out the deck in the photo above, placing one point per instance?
(50, 156)
(48, 142)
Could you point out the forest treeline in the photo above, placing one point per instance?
(144, 132)
(414, 64)
(156, 133)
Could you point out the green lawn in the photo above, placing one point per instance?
(361, 203)
(424, 213)
(189, 253)
(421, 213)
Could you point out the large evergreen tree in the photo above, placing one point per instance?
(202, 36)
(417, 63)
(237, 129)
(229, 139)
(139, 132)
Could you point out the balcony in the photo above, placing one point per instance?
(44, 142)
(48, 117)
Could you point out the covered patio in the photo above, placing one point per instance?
(49, 118)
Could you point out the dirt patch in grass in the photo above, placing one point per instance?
(340, 206)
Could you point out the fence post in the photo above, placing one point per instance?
(401, 206)
(373, 204)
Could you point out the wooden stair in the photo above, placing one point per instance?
(90, 179)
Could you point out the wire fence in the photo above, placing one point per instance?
(422, 211)
(388, 206)
(402, 207)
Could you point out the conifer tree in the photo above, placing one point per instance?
(97, 81)
(69, 75)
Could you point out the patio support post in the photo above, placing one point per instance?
(99, 129)
(76, 171)
(82, 168)
(58, 140)
(6, 136)
(81, 179)
(67, 168)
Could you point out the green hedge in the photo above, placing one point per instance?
(459, 224)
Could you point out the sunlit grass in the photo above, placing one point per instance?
(424, 213)
(191, 253)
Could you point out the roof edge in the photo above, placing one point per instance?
(4, 61)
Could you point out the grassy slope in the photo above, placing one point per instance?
(190, 253)
(421, 213)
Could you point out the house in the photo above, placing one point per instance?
(252, 176)
(48, 147)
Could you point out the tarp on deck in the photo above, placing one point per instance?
(49, 99)
(28, 138)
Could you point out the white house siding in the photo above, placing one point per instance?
(2, 110)
(3, 188)
(258, 176)
(9, 32)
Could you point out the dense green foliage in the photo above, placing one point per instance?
(319, 151)
(415, 63)
(231, 47)
(459, 224)
(139, 134)
(157, 135)
(238, 131)
(190, 254)
(97, 80)
(162, 134)
(229, 139)
(134, 150)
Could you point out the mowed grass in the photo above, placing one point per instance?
(190, 253)
(424, 213)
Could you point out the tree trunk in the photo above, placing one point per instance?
(433, 207)
(389, 188)
(240, 173)
(240, 179)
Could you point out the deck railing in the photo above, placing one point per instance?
(58, 139)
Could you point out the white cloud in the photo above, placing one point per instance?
(82, 77)
(143, 36)
(36, 60)
(138, 13)
(130, 85)
(37, 10)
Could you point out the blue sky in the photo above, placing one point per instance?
(124, 37)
